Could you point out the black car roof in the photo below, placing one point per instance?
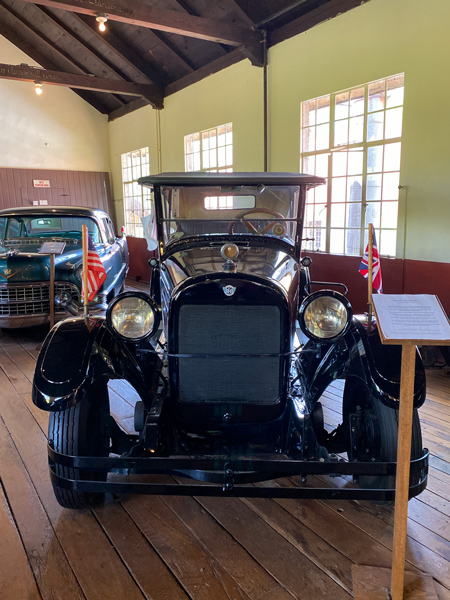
(79, 211)
(256, 178)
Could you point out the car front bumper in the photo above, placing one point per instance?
(231, 476)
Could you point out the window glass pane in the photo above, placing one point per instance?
(321, 194)
(352, 241)
(394, 122)
(338, 189)
(357, 102)
(373, 214)
(375, 123)
(337, 241)
(338, 215)
(308, 166)
(322, 165)
(390, 186)
(320, 239)
(320, 215)
(322, 137)
(374, 159)
(323, 110)
(354, 189)
(221, 155)
(389, 215)
(308, 139)
(395, 91)
(354, 215)
(373, 187)
(339, 163)
(376, 95)
(392, 157)
(341, 106)
(356, 131)
(355, 162)
(229, 152)
(341, 133)
(308, 113)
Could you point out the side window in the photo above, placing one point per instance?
(112, 233)
(107, 231)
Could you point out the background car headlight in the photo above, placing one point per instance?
(325, 315)
(133, 316)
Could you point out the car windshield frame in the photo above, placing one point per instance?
(36, 233)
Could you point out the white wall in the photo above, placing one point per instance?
(57, 130)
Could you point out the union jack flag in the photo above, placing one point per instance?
(96, 271)
(376, 267)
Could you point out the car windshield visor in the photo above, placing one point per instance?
(236, 210)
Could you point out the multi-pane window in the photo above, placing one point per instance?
(210, 150)
(136, 198)
(353, 139)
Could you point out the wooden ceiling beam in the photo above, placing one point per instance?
(137, 13)
(124, 52)
(18, 33)
(84, 82)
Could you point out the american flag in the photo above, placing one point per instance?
(96, 272)
(376, 267)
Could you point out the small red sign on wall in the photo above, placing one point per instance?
(41, 183)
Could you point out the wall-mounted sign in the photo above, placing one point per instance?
(41, 183)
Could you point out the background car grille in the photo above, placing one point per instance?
(229, 330)
(31, 299)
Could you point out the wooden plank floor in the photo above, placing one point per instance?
(175, 548)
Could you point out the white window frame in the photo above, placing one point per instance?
(337, 240)
(209, 150)
(136, 198)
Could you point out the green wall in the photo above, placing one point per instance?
(375, 40)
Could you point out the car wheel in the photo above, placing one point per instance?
(81, 430)
(380, 434)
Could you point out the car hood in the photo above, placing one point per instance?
(265, 262)
(21, 263)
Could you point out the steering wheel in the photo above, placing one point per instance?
(250, 226)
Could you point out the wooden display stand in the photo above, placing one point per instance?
(406, 320)
(52, 248)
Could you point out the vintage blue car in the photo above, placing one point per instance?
(25, 274)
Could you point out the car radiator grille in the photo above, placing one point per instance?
(31, 299)
(219, 334)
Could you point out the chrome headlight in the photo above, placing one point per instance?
(133, 315)
(325, 315)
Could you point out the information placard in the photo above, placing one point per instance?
(411, 317)
(52, 248)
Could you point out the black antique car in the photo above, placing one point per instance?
(230, 353)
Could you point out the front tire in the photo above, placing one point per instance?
(379, 425)
(81, 430)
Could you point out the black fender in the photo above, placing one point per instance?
(358, 355)
(77, 352)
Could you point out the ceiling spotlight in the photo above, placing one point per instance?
(38, 87)
(101, 19)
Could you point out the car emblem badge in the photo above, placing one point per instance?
(229, 290)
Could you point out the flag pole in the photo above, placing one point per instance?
(370, 279)
(85, 269)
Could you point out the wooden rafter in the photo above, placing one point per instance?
(162, 19)
(84, 82)
(123, 51)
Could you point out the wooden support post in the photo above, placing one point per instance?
(52, 290)
(403, 468)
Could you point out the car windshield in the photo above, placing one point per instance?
(47, 226)
(238, 210)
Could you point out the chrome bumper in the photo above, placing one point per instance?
(28, 304)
